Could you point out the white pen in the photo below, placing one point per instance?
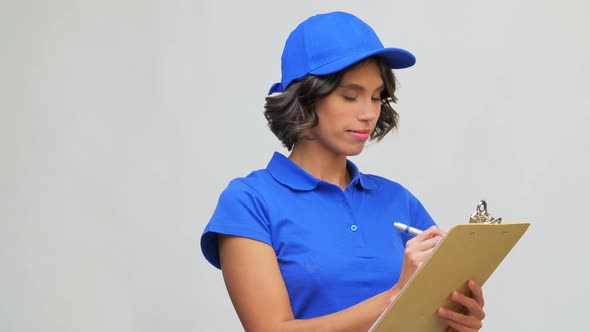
(406, 229)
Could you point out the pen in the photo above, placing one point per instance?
(406, 229)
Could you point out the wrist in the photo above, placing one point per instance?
(394, 292)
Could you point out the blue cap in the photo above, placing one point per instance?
(327, 43)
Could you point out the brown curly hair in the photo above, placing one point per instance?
(291, 112)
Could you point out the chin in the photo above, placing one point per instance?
(355, 152)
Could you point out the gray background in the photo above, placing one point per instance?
(122, 121)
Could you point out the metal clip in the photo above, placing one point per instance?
(482, 216)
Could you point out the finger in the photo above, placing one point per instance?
(459, 321)
(423, 244)
(456, 327)
(432, 231)
(477, 292)
(473, 307)
(452, 315)
(427, 234)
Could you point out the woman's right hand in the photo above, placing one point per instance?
(417, 250)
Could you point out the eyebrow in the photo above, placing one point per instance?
(358, 87)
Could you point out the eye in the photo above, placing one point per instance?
(350, 98)
(377, 96)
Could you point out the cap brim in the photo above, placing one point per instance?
(396, 58)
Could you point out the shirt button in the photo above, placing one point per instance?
(353, 228)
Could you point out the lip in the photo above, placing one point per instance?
(361, 134)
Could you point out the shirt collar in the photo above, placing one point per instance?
(358, 178)
(286, 172)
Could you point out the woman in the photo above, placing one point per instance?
(308, 244)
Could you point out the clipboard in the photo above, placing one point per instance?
(468, 251)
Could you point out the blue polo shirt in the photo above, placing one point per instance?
(335, 248)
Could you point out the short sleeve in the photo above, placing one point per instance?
(419, 217)
(240, 211)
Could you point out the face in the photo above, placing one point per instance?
(348, 115)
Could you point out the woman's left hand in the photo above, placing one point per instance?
(472, 319)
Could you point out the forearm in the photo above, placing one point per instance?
(247, 262)
(359, 317)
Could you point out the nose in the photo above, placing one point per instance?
(369, 110)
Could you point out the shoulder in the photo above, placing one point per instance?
(254, 185)
(385, 184)
(397, 201)
(249, 183)
(241, 211)
(392, 189)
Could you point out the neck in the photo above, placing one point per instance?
(329, 168)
